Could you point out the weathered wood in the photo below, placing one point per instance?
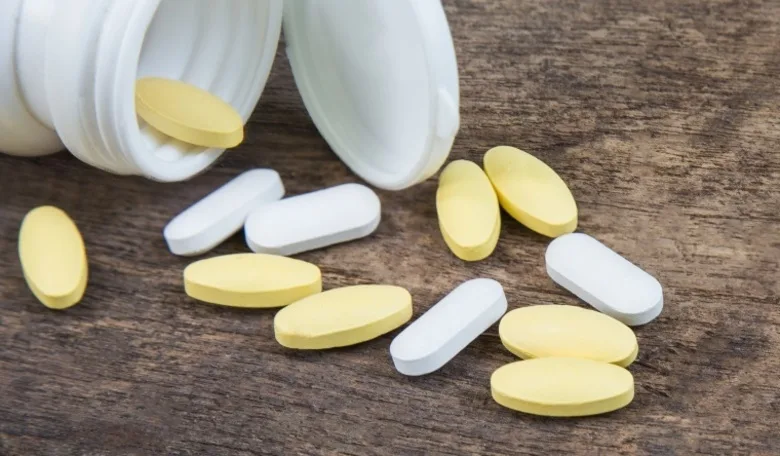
(664, 118)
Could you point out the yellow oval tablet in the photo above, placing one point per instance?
(531, 192)
(469, 216)
(343, 316)
(567, 331)
(562, 387)
(253, 280)
(53, 257)
(188, 113)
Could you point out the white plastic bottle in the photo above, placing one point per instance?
(378, 77)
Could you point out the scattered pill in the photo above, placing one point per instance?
(567, 331)
(604, 279)
(531, 192)
(342, 316)
(53, 257)
(188, 113)
(563, 387)
(251, 280)
(313, 220)
(448, 327)
(222, 213)
(469, 217)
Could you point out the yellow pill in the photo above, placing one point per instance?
(469, 216)
(188, 113)
(253, 280)
(562, 387)
(567, 331)
(53, 257)
(531, 192)
(343, 316)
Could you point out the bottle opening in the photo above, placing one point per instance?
(225, 48)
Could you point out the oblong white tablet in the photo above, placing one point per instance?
(605, 280)
(448, 327)
(207, 223)
(313, 220)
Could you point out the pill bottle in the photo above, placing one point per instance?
(378, 77)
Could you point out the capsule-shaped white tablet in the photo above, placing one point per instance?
(448, 327)
(313, 220)
(207, 223)
(604, 279)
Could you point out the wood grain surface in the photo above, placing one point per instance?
(663, 117)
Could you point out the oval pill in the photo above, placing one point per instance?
(313, 220)
(605, 280)
(531, 192)
(251, 280)
(222, 213)
(448, 327)
(53, 257)
(563, 387)
(467, 206)
(342, 316)
(188, 113)
(567, 331)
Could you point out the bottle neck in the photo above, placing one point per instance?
(78, 63)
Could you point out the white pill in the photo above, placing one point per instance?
(448, 327)
(313, 220)
(604, 279)
(207, 223)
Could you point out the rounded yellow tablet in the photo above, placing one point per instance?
(567, 331)
(562, 387)
(253, 280)
(188, 113)
(469, 217)
(531, 192)
(53, 257)
(343, 316)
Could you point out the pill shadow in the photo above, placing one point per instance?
(208, 309)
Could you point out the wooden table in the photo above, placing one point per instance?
(663, 117)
